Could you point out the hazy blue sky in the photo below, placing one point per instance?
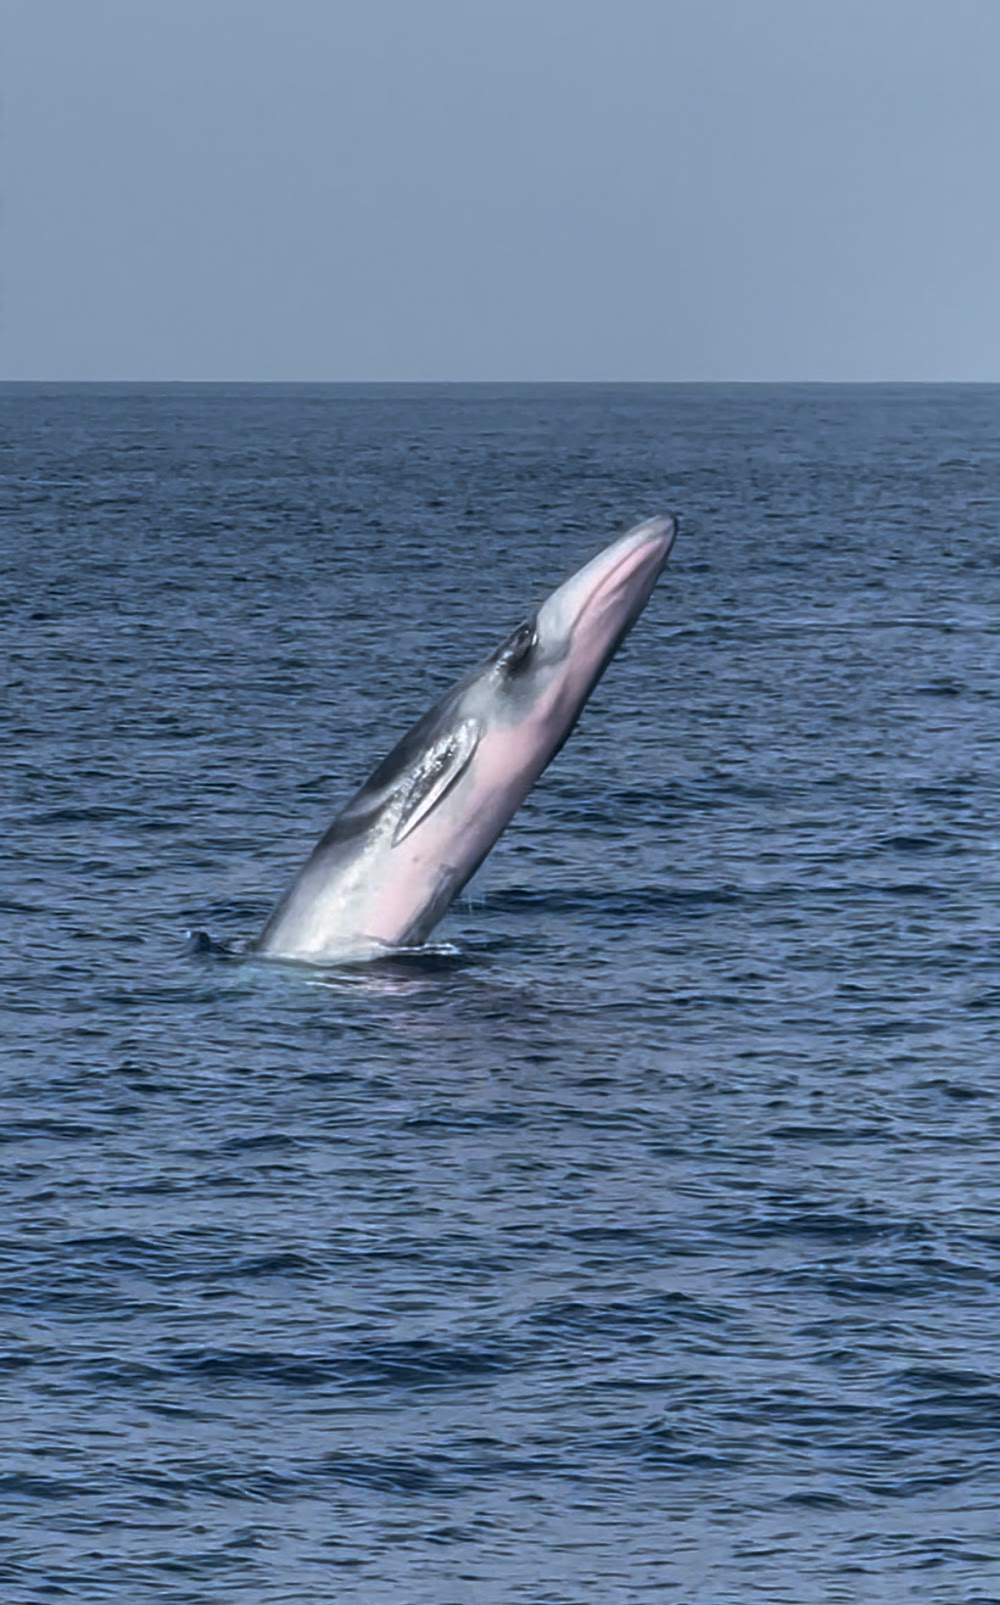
(501, 189)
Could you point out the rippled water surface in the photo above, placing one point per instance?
(643, 1243)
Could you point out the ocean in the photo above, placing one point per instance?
(641, 1241)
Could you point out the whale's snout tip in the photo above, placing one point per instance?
(650, 543)
(661, 528)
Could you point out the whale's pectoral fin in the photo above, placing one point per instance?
(440, 769)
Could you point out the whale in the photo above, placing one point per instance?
(406, 843)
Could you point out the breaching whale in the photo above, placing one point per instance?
(404, 846)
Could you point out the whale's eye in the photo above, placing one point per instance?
(515, 654)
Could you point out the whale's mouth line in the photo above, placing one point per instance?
(628, 566)
(631, 561)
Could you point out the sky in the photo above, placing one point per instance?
(343, 190)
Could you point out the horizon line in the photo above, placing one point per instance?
(494, 383)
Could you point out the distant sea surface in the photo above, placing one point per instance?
(640, 1243)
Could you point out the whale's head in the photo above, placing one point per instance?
(541, 677)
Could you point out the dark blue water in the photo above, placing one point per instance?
(647, 1245)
